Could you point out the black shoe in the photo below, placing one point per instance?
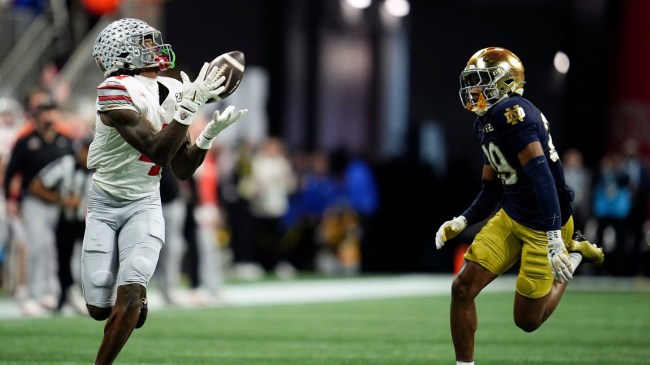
(589, 251)
(143, 313)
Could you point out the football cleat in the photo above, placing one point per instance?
(143, 313)
(589, 251)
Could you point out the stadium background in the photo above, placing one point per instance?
(387, 88)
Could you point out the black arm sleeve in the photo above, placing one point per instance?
(538, 171)
(485, 203)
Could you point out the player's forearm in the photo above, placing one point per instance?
(485, 203)
(37, 189)
(186, 162)
(166, 143)
(10, 173)
(537, 170)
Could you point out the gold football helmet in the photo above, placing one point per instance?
(491, 75)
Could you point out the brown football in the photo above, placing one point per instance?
(231, 65)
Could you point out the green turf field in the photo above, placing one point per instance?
(609, 328)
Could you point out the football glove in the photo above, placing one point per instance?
(557, 257)
(449, 230)
(219, 122)
(198, 92)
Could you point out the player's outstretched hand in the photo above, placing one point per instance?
(449, 230)
(219, 122)
(558, 258)
(206, 86)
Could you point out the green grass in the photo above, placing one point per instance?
(587, 328)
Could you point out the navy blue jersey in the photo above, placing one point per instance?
(30, 154)
(506, 129)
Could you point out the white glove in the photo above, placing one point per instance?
(219, 122)
(449, 230)
(557, 257)
(198, 92)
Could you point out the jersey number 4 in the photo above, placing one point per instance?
(154, 170)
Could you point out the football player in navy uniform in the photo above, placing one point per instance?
(523, 182)
(141, 127)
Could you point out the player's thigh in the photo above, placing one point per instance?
(495, 247)
(98, 263)
(535, 277)
(140, 241)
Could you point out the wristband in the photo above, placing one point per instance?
(183, 116)
(203, 143)
(185, 111)
(554, 235)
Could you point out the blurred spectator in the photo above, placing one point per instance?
(361, 187)
(579, 178)
(347, 226)
(35, 97)
(612, 201)
(339, 234)
(29, 155)
(317, 189)
(65, 182)
(11, 120)
(272, 182)
(208, 221)
(40, 96)
(636, 249)
(174, 206)
(235, 191)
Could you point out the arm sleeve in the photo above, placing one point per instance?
(485, 203)
(538, 171)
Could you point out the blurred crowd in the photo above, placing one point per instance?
(611, 206)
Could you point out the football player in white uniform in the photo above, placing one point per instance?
(141, 127)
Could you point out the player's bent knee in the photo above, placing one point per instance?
(460, 289)
(527, 325)
(144, 266)
(102, 279)
(98, 313)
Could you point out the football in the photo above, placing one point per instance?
(231, 65)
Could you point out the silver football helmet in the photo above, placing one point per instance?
(131, 44)
(491, 75)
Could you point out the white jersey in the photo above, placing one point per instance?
(120, 169)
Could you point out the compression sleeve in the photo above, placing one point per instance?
(538, 171)
(485, 203)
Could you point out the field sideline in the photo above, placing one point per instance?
(360, 288)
